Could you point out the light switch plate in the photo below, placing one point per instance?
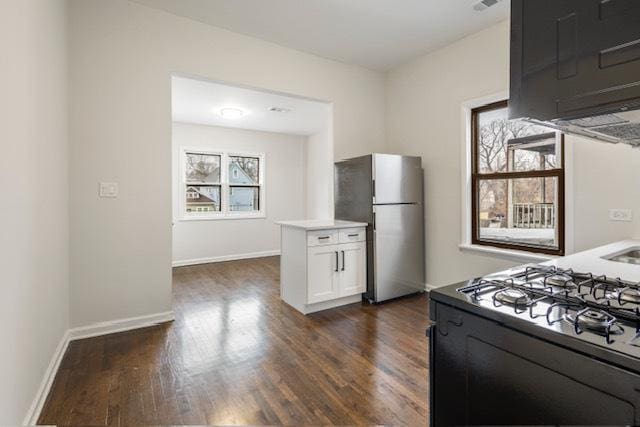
(625, 215)
(108, 189)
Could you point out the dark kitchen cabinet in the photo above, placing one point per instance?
(574, 58)
(485, 373)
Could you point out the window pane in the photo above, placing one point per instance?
(244, 170)
(533, 153)
(495, 135)
(519, 211)
(203, 168)
(202, 199)
(242, 199)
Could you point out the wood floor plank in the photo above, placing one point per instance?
(237, 355)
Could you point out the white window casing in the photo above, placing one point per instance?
(224, 185)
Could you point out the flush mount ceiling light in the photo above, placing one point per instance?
(484, 5)
(231, 113)
(279, 110)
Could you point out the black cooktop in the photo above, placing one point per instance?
(596, 315)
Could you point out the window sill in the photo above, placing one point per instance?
(506, 254)
(222, 217)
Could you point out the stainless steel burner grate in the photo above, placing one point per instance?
(591, 303)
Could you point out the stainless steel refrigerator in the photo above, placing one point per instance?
(386, 191)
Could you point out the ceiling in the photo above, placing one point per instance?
(200, 102)
(376, 34)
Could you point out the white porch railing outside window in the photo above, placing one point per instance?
(533, 215)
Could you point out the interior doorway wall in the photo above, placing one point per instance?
(319, 173)
(295, 136)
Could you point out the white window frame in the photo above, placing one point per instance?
(225, 186)
(261, 213)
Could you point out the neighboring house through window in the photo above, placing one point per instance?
(220, 185)
(517, 183)
(244, 185)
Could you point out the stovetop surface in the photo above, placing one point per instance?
(597, 310)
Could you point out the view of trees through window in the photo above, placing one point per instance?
(201, 168)
(517, 170)
(496, 135)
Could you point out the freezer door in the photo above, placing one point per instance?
(398, 251)
(354, 190)
(398, 179)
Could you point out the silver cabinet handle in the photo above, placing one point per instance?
(354, 235)
(342, 260)
(337, 262)
(323, 237)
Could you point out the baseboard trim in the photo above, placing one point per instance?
(224, 258)
(47, 381)
(120, 325)
(102, 328)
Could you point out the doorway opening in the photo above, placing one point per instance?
(243, 159)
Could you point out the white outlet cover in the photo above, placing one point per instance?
(108, 189)
(625, 215)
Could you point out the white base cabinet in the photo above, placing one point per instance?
(335, 271)
(322, 269)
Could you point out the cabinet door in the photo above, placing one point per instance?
(322, 273)
(573, 58)
(505, 377)
(353, 266)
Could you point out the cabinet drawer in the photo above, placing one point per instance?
(322, 237)
(353, 235)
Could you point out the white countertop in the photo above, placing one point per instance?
(592, 261)
(321, 224)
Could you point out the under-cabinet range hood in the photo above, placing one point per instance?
(575, 66)
(618, 127)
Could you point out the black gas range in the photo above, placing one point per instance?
(536, 345)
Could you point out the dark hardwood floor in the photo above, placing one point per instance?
(236, 354)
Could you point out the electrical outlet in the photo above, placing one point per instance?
(108, 189)
(625, 215)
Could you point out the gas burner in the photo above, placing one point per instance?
(627, 295)
(594, 320)
(560, 280)
(513, 297)
(586, 319)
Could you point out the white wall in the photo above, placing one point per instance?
(424, 103)
(122, 57)
(285, 195)
(34, 188)
(319, 176)
(605, 177)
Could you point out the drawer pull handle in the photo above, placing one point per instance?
(354, 235)
(324, 237)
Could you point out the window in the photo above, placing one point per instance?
(244, 185)
(221, 185)
(517, 183)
